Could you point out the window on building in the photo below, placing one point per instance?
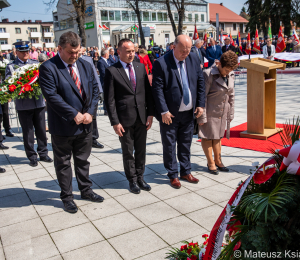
(3, 41)
(19, 40)
(153, 16)
(160, 17)
(34, 40)
(111, 15)
(241, 28)
(2, 30)
(33, 29)
(146, 16)
(234, 26)
(190, 17)
(125, 16)
(202, 17)
(196, 17)
(46, 29)
(117, 15)
(222, 26)
(176, 17)
(165, 17)
(104, 16)
(18, 30)
(47, 40)
(69, 2)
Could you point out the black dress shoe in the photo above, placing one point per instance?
(2, 170)
(3, 147)
(33, 163)
(143, 185)
(46, 159)
(215, 172)
(70, 206)
(97, 145)
(134, 188)
(9, 134)
(223, 169)
(92, 197)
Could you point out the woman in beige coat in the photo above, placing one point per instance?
(219, 109)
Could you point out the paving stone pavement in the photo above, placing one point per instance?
(33, 224)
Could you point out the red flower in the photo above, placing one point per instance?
(193, 257)
(12, 88)
(35, 72)
(196, 244)
(27, 87)
(18, 82)
(191, 244)
(20, 78)
(27, 72)
(185, 247)
(189, 251)
(205, 236)
(205, 243)
(181, 248)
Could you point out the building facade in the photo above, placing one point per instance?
(229, 21)
(40, 34)
(120, 19)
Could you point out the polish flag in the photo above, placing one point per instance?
(100, 26)
(105, 27)
(295, 38)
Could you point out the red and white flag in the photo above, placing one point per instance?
(100, 26)
(196, 35)
(105, 27)
(231, 40)
(280, 42)
(256, 45)
(248, 46)
(295, 38)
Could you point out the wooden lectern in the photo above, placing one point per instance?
(261, 98)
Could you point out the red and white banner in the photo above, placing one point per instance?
(196, 35)
(295, 38)
(280, 42)
(256, 46)
(284, 56)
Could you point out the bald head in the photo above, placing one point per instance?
(182, 47)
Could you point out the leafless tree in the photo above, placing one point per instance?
(180, 6)
(134, 4)
(78, 14)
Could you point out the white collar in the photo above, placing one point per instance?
(66, 64)
(124, 64)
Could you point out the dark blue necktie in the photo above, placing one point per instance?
(200, 55)
(185, 88)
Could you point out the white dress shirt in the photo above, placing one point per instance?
(183, 107)
(74, 67)
(124, 64)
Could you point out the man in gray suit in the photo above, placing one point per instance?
(31, 111)
(199, 50)
(89, 59)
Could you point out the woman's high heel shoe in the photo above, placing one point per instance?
(223, 169)
(215, 172)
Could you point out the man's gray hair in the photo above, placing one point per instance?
(198, 41)
(69, 38)
(111, 48)
(42, 57)
(103, 52)
(136, 45)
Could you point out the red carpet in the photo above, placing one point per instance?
(273, 142)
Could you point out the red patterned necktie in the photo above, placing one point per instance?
(131, 76)
(75, 78)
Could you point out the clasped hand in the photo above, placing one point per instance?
(85, 118)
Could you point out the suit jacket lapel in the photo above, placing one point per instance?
(61, 66)
(82, 79)
(221, 82)
(175, 69)
(124, 75)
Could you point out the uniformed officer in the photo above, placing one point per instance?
(31, 111)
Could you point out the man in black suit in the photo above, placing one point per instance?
(72, 93)
(102, 64)
(136, 54)
(179, 92)
(228, 46)
(112, 57)
(199, 50)
(130, 107)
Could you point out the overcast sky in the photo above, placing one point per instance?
(36, 10)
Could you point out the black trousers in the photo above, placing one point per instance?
(180, 132)
(95, 127)
(80, 146)
(31, 121)
(5, 118)
(1, 136)
(134, 138)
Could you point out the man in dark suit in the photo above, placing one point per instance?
(102, 64)
(213, 52)
(130, 106)
(244, 45)
(199, 50)
(96, 144)
(72, 93)
(112, 57)
(31, 111)
(179, 92)
(136, 54)
(228, 46)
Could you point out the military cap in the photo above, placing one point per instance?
(22, 45)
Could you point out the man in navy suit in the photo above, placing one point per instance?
(213, 52)
(179, 93)
(112, 57)
(72, 94)
(102, 64)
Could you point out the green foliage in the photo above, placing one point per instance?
(186, 251)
